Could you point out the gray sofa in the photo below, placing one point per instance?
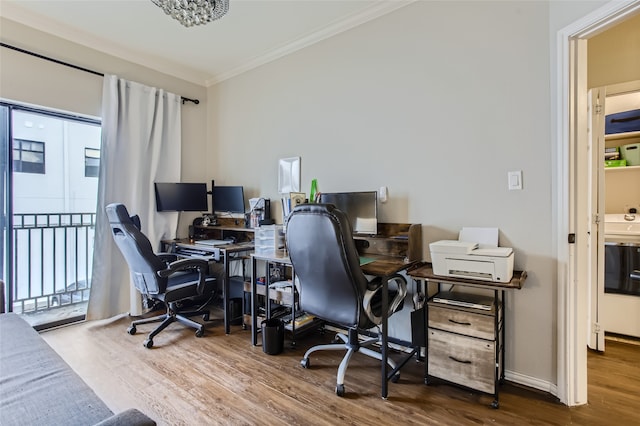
(38, 388)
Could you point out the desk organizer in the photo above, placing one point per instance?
(268, 238)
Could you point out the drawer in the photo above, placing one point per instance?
(464, 360)
(462, 322)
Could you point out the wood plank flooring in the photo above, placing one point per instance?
(223, 380)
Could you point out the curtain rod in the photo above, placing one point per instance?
(46, 58)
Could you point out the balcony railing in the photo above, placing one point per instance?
(52, 258)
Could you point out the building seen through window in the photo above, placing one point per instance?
(28, 156)
(91, 162)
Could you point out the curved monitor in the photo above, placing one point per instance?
(181, 197)
(360, 207)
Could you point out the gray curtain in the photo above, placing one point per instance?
(141, 144)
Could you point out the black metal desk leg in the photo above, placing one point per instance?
(254, 297)
(502, 336)
(225, 294)
(496, 374)
(385, 317)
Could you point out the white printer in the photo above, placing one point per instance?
(482, 260)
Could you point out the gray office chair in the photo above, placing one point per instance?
(160, 277)
(331, 284)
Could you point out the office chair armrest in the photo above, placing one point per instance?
(167, 257)
(374, 287)
(188, 264)
(185, 264)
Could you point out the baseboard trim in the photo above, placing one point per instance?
(531, 382)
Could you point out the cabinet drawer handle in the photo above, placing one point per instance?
(457, 360)
(459, 323)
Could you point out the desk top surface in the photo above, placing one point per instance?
(226, 227)
(425, 272)
(230, 248)
(380, 266)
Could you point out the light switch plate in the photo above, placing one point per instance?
(515, 180)
(383, 194)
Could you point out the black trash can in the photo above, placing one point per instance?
(235, 310)
(272, 336)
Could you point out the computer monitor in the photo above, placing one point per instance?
(228, 199)
(181, 197)
(360, 207)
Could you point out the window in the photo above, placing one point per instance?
(28, 156)
(91, 162)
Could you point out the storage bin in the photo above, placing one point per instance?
(622, 122)
(615, 163)
(631, 154)
(268, 238)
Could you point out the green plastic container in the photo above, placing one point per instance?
(615, 163)
(631, 154)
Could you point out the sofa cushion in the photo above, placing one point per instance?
(130, 417)
(36, 386)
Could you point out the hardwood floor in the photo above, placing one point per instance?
(222, 379)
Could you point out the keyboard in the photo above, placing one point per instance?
(212, 242)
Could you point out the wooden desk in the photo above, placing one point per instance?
(460, 338)
(226, 228)
(222, 253)
(383, 266)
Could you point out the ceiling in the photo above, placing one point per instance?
(254, 32)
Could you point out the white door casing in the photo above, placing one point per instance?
(572, 115)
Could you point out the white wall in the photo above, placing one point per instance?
(437, 101)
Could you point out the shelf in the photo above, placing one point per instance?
(626, 135)
(622, 168)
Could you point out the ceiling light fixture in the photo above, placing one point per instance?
(194, 12)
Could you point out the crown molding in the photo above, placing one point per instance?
(381, 8)
(41, 23)
(11, 11)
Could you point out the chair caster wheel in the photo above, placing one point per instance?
(244, 326)
(199, 332)
(131, 330)
(148, 343)
(340, 390)
(205, 317)
(305, 363)
(495, 405)
(395, 378)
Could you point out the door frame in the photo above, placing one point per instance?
(571, 201)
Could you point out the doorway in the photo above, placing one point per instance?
(615, 138)
(572, 196)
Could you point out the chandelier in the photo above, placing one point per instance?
(194, 12)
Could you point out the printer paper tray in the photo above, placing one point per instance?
(472, 269)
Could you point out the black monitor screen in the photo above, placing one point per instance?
(228, 199)
(360, 207)
(181, 197)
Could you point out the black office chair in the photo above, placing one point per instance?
(332, 285)
(160, 277)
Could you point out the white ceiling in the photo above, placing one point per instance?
(253, 32)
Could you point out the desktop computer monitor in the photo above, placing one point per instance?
(228, 199)
(181, 197)
(360, 207)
